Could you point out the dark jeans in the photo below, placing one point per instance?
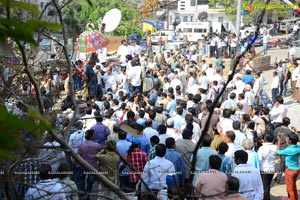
(78, 82)
(99, 91)
(274, 94)
(79, 178)
(212, 51)
(124, 182)
(137, 89)
(150, 196)
(267, 180)
(90, 182)
(232, 52)
(281, 169)
(93, 89)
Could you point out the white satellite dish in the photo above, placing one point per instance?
(112, 20)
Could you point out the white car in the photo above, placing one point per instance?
(166, 36)
(174, 46)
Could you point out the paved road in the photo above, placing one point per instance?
(277, 191)
(293, 108)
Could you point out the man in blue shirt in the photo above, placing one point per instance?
(122, 148)
(202, 159)
(171, 107)
(177, 159)
(292, 154)
(248, 78)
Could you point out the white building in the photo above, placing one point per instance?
(49, 15)
(191, 10)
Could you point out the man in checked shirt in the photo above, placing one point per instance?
(137, 160)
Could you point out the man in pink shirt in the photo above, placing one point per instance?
(211, 184)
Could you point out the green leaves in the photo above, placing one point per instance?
(34, 24)
(11, 127)
(15, 30)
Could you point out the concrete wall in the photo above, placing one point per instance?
(260, 63)
(114, 43)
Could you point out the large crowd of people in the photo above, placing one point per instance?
(140, 118)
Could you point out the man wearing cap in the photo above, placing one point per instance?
(250, 97)
(171, 131)
(239, 84)
(292, 155)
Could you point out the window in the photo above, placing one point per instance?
(187, 30)
(200, 30)
(51, 13)
(220, 19)
(193, 2)
(185, 19)
(202, 2)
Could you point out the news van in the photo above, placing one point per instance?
(194, 31)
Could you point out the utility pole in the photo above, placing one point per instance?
(238, 20)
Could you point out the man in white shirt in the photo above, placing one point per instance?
(239, 84)
(226, 123)
(292, 52)
(156, 171)
(249, 94)
(77, 137)
(232, 146)
(210, 72)
(110, 79)
(251, 185)
(203, 81)
(176, 82)
(258, 84)
(275, 86)
(267, 156)
(46, 188)
(278, 112)
(266, 39)
(149, 131)
(53, 156)
(135, 77)
(102, 55)
(123, 51)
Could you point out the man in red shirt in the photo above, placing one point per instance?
(137, 160)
